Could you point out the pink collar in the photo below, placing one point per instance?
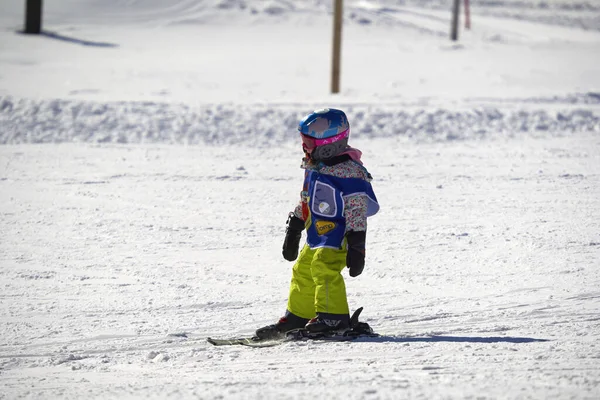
(354, 154)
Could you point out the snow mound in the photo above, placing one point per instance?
(58, 121)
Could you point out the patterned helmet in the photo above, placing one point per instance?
(324, 133)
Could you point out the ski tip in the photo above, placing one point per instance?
(214, 342)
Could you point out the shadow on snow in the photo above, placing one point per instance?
(453, 339)
(69, 39)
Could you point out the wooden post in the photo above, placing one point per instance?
(337, 45)
(33, 16)
(467, 15)
(455, 15)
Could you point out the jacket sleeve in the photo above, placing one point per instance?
(298, 211)
(355, 212)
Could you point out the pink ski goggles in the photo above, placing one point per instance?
(310, 143)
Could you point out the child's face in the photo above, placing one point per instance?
(308, 144)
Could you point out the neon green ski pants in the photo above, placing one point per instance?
(317, 283)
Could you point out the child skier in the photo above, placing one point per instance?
(336, 200)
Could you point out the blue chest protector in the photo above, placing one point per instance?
(326, 193)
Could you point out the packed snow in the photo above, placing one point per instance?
(150, 157)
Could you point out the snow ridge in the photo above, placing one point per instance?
(59, 121)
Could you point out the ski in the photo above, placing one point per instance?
(291, 336)
(357, 330)
(247, 341)
(346, 336)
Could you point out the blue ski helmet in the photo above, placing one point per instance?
(325, 133)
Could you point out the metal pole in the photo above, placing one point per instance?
(33, 16)
(337, 46)
(455, 15)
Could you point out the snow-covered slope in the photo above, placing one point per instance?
(133, 71)
(149, 160)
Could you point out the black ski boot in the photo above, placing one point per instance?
(325, 322)
(285, 324)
